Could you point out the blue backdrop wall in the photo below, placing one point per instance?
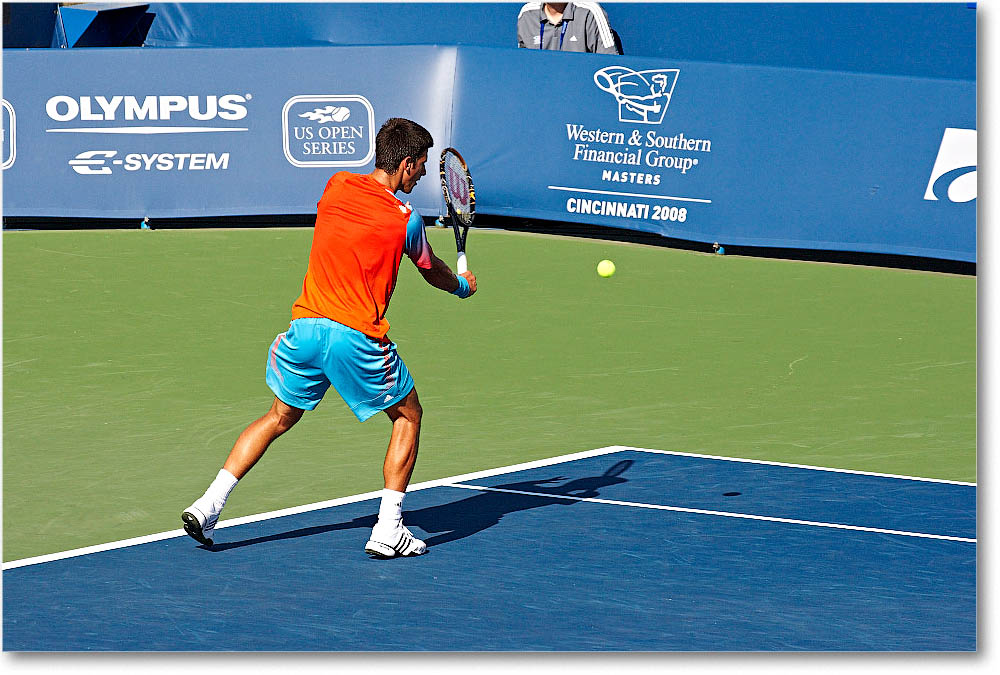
(741, 154)
(919, 39)
(846, 127)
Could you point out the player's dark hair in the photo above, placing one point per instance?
(398, 139)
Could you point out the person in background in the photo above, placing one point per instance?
(567, 27)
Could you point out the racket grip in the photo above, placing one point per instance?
(463, 265)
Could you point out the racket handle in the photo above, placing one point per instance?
(463, 265)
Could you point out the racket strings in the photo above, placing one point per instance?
(458, 188)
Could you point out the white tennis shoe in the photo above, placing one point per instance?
(200, 519)
(394, 542)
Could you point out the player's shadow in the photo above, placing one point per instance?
(457, 520)
(465, 517)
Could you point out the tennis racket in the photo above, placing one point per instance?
(460, 196)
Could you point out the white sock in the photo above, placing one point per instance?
(390, 511)
(218, 491)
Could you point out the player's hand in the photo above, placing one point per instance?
(471, 278)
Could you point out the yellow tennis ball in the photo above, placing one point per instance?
(605, 268)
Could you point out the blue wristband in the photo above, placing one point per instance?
(464, 290)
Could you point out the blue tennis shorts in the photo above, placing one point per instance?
(315, 353)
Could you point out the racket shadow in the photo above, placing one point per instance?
(466, 517)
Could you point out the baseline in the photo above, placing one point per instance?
(291, 511)
(452, 481)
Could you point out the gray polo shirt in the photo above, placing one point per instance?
(584, 28)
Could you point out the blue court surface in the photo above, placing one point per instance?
(611, 549)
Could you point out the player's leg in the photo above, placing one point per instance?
(370, 376)
(390, 537)
(200, 518)
(298, 384)
(257, 437)
(404, 442)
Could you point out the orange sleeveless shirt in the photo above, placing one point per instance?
(361, 233)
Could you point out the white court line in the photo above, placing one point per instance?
(135, 541)
(792, 466)
(727, 514)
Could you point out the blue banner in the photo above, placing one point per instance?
(743, 155)
(203, 132)
(709, 152)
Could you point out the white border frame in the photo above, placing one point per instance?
(12, 133)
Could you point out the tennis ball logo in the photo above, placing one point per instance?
(605, 268)
(330, 113)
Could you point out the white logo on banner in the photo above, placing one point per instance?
(954, 174)
(9, 135)
(643, 96)
(634, 156)
(330, 113)
(328, 130)
(99, 162)
(229, 107)
(92, 162)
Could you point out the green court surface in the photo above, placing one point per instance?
(133, 359)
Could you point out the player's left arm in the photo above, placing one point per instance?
(434, 270)
(439, 275)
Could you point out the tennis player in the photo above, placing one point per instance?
(338, 331)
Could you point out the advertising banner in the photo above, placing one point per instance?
(716, 152)
(124, 133)
(742, 155)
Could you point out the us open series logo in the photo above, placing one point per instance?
(328, 130)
